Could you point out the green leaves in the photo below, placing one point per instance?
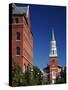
(63, 77)
(25, 79)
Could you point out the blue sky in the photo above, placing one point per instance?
(43, 18)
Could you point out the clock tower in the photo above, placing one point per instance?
(53, 60)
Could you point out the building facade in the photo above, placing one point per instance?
(53, 57)
(22, 38)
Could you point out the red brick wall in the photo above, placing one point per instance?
(53, 66)
(25, 44)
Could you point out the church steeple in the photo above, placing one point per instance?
(53, 48)
(53, 59)
(53, 37)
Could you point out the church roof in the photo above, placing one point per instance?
(48, 66)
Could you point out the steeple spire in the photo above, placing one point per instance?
(53, 37)
(53, 48)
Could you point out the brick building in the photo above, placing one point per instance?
(22, 39)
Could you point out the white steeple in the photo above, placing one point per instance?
(53, 48)
(53, 37)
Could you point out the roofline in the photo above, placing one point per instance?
(18, 14)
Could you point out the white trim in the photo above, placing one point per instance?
(18, 40)
(16, 24)
(17, 55)
(53, 68)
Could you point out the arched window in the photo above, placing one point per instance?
(24, 69)
(17, 35)
(28, 67)
(17, 51)
(53, 75)
(16, 19)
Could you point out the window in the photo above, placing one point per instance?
(17, 35)
(16, 20)
(53, 75)
(17, 51)
(53, 52)
(24, 69)
(28, 67)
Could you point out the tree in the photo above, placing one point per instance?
(60, 81)
(27, 76)
(63, 74)
(37, 75)
(33, 77)
(63, 77)
(25, 79)
(17, 75)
